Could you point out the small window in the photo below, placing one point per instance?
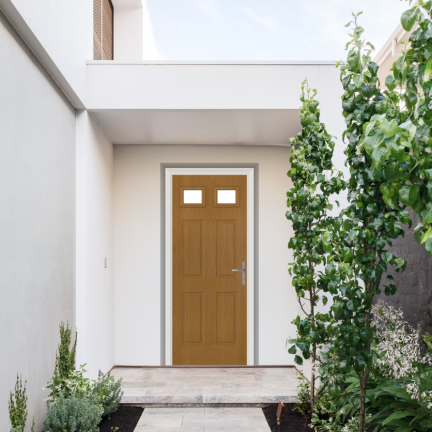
(192, 196)
(226, 196)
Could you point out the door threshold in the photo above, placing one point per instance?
(204, 366)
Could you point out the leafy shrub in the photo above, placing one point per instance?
(108, 392)
(326, 417)
(72, 414)
(65, 363)
(303, 391)
(403, 355)
(76, 384)
(18, 408)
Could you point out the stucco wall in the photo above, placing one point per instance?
(95, 289)
(414, 286)
(137, 245)
(37, 222)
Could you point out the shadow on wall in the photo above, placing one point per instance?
(414, 286)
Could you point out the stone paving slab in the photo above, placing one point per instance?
(207, 385)
(202, 420)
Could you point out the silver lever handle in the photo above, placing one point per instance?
(243, 270)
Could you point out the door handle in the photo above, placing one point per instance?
(243, 270)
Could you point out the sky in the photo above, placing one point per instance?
(266, 29)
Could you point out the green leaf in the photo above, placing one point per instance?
(352, 305)
(298, 360)
(304, 328)
(408, 194)
(428, 245)
(387, 256)
(404, 428)
(408, 18)
(398, 152)
(354, 339)
(389, 82)
(379, 156)
(354, 60)
(349, 105)
(347, 255)
(392, 171)
(314, 335)
(330, 271)
(400, 262)
(404, 217)
(398, 415)
(324, 300)
(389, 128)
(327, 247)
(373, 141)
(428, 72)
(426, 235)
(292, 350)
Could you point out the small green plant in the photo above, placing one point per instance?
(108, 392)
(303, 392)
(72, 414)
(65, 362)
(76, 384)
(18, 408)
(326, 417)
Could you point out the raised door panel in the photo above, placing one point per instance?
(225, 248)
(192, 249)
(192, 318)
(226, 318)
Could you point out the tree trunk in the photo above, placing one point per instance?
(312, 386)
(362, 413)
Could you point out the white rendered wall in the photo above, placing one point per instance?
(128, 33)
(133, 32)
(95, 289)
(211, 85)
(137, 245)
(65, 30)
(37, 223)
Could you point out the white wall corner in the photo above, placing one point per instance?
(81, 235)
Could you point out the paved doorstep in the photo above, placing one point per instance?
(202, 420)
(207, 385)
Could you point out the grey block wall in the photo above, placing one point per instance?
(37, 223)
(414, 294)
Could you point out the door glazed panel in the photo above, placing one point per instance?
(209, 299)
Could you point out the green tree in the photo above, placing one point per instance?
(309, 199)
(409, 168)
(353, 273)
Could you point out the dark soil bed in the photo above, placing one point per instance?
(125, 418)
(291, 420)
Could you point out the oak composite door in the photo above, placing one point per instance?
(209, 241)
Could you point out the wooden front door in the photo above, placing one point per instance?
(209, 241)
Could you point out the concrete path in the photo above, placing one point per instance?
(146, 385)
(202, 420)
